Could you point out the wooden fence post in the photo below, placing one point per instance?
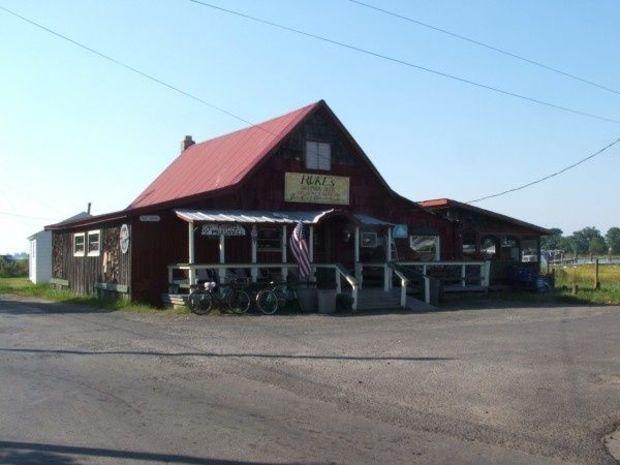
(575, 288)
(597, 284)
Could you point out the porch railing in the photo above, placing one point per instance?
(339, 273)
(481, 281)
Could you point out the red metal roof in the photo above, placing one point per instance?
(446, 203)
(435, 203)
(221, 162)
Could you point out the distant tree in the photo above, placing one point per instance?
(583, 238)
(597, 245)
(613, 239)
(552, 241)
(567, 244)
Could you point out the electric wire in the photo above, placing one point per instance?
(404, 62)
(134, 70)
(549, 176)
(485, 45)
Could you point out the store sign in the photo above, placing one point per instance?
(316, 188)
(149, 218)
(225, 229)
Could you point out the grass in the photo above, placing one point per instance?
(583, 277)
(23, 287)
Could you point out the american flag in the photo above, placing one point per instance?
(299, 247)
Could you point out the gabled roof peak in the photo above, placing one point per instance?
(220, 162)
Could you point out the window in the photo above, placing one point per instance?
(94, 243)
(269, 240)
(368, 239)
(529, 250)
(511, 249)
(425, 247)
(78, 245)
(469, 245)
(318, 156)
(489, 247)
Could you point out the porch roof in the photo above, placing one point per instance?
(264, 216)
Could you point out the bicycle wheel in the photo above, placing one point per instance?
(240, 302)
(282, 295)
(200, 303)
(267, 301)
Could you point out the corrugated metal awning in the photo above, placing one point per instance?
(263, 216)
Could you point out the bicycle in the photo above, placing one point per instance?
(274, 297)
(233, 296)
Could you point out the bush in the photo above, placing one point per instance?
(13, 268)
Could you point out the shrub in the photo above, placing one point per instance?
(13, 268)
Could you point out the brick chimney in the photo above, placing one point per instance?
(186, 143)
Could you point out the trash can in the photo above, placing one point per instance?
(436, 289)
(307, 299)
(327, 301)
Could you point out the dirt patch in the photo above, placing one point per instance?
(612, 442)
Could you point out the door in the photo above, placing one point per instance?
(334, 242)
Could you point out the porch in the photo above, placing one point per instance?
(349, 252)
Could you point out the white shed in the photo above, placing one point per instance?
(40, 257)
(40, 253)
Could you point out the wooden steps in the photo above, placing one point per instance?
(378, 299)
(174, 300)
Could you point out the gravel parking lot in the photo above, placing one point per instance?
(479, 386)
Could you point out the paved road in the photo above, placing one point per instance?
(520, 386)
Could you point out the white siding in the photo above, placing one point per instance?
(40, 261)
(32, 260)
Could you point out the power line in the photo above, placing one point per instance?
(134, 70)
(403, 62)
(17, 215)
(549, 176)
(486, 45)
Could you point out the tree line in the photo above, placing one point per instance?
(585, 241)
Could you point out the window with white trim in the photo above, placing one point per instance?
(425, 247)
(94, 243)
(79, 245)
(318, 155)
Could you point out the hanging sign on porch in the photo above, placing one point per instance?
(316, 188)
(211, 229)
(399, 231)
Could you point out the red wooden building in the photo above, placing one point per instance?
(230, 203)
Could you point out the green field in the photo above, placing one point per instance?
(23, 287)
(583, 277)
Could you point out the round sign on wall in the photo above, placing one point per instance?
(124, 238)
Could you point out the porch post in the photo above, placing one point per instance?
(284, 269)
(191, 252)
(357, 255)
(222, 271)
(311, 250)
(253, 239)
(387, 284)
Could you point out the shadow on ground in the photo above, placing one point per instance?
(31, 453)
(9, 305)
(221, 355)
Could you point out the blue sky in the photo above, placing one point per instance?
(74, 128)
